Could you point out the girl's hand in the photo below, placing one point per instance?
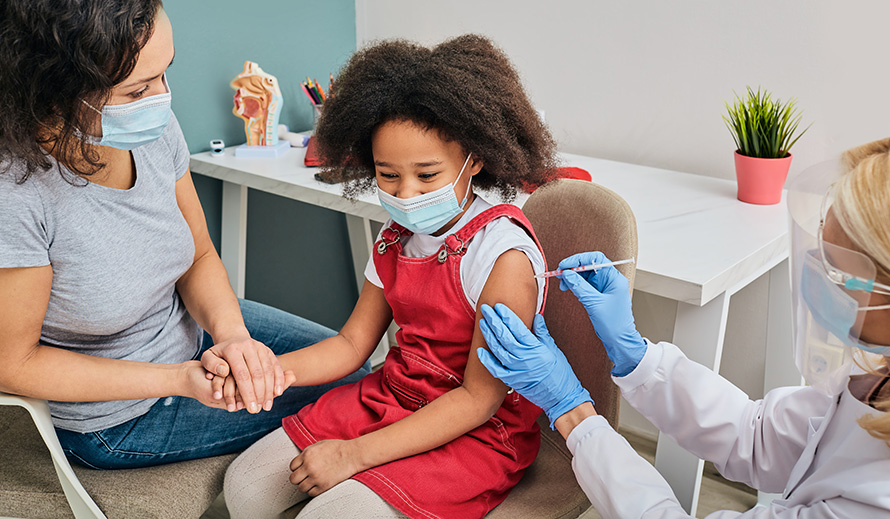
(254, 367)
(226, 389)
(324, 464)
(198, 387)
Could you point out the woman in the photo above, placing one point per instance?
(825, 446)
(107, 272)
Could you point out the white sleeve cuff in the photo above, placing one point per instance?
(644, 370)
(583, 430)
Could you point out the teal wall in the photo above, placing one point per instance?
(298, 256)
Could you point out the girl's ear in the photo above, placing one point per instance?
(475, 165)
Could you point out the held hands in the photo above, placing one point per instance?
(254, 368)
(604, 294)
(324, 464)
(531, 364)
(197, 385)
(226, 388)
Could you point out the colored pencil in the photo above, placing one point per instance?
(306, 91)
(320, 91)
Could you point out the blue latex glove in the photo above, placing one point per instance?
(531, 364)
(604, 294)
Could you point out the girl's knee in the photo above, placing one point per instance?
(237, 488)
(350, 500)
(257, 483)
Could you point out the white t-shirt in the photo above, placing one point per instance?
(496, 238)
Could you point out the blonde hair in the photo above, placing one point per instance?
(862, 207)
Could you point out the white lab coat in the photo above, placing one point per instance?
(796, 440)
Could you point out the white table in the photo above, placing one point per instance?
(698, 245)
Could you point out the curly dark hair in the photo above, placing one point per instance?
(465, 88)
(54, 54)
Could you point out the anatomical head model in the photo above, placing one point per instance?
(258, 101)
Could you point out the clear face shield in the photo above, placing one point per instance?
(831, 285)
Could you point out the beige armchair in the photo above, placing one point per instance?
(571, 216)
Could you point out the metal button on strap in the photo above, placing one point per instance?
(444, 253)
(381, 247)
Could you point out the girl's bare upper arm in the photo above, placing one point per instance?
(24, 296)
(512, 283)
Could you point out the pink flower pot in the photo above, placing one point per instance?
(761, 180)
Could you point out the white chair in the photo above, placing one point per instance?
(29, 488)
(82, 505)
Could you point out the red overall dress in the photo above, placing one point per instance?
(472, 474)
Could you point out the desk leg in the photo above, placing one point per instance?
(361, 241)
(779, 368)
(233, 238)
(699, 332)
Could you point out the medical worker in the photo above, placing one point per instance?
(824, 446)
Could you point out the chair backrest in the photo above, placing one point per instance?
(571, 216)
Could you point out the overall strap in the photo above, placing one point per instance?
(485, 217)
(456, 244)
(391, 236)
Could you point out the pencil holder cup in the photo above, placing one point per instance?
(316, 113)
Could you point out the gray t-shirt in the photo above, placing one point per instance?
(116, 256)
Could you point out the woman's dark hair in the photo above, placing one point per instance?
(465, 89)
(53, 55)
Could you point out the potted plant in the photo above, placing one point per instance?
(764, 132)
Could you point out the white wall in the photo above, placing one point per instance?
(644, 82)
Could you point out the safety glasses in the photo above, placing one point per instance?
(830, 259)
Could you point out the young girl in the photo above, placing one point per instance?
(422, 126)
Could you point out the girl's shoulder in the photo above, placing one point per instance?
(503, 217)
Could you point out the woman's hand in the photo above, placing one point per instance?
(254, 367)
(324, 464)
(530, 363)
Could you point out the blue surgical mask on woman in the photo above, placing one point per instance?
(428, 212)
(131, 125)
(834, 309)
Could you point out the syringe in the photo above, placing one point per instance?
(583, 268)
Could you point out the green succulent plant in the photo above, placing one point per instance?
(762, 127)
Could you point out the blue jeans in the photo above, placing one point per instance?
(179, 428)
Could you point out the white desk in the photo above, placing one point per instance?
(698, 245)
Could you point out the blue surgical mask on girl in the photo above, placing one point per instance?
(131, 125)
(426, 213)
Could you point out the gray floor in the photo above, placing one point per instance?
(716, 492)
